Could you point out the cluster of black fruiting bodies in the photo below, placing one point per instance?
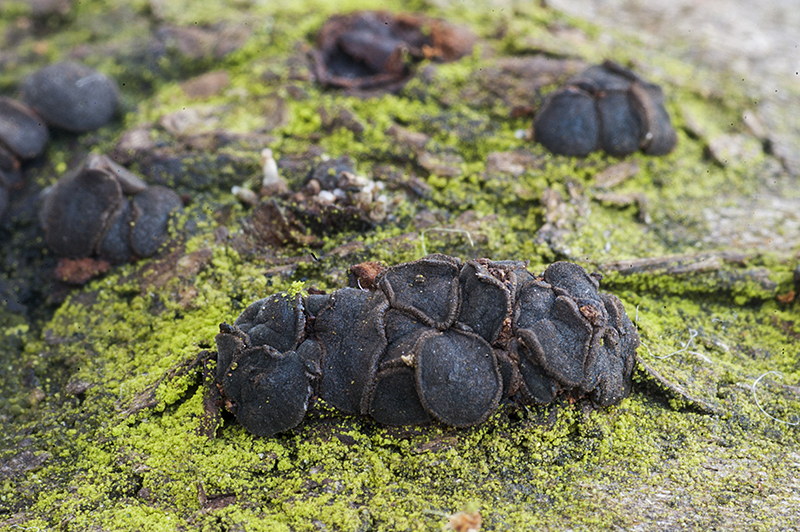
(102, 209)
(605, 107)
(434, 339)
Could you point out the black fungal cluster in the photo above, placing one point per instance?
(101, 209)
(434, 339)
(66, 95)
(605, 107)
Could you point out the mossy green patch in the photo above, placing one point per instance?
(523, 468)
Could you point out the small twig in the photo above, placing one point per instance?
(755, 398)
(677, 390)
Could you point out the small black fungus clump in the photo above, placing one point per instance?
(66, 95)
(370, 50)
(605, 107)
(23, 135)
(21, 130)
(71, 96)
(103, 210)
(435, 339)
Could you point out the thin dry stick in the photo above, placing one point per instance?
(755, 398)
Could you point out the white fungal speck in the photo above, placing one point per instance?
(245, 195)
(326, 197)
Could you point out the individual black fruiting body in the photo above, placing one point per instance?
(434, 339)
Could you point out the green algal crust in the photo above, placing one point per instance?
(105, 401)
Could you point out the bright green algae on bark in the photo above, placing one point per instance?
(129, 451)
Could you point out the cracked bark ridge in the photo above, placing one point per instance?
(431, 340)
(605, 107)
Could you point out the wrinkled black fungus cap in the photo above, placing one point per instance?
(568, 124)
(115, 246)
(276, 321)
(77, 210)
(458, 378)
(487, 296)
(352, 337)
(427, 289)
(556, 335)
(269, 390)
(395, 401)
(376, 50)
(151, 211)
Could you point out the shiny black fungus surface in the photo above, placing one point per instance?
(436, 339)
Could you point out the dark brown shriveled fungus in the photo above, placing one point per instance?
(375, 50)
(434, 339)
